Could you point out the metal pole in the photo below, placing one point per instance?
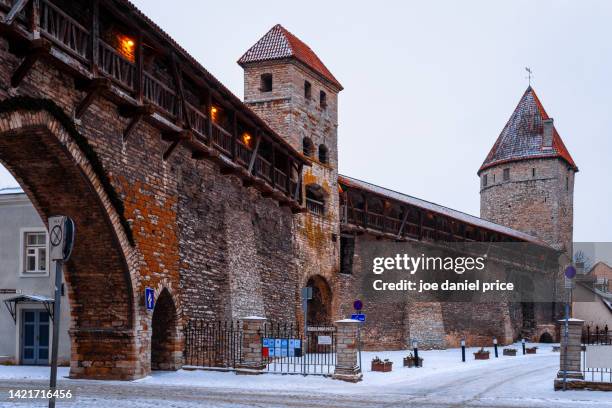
(463, 351)
(57, 303)
(566, 337)
(495, 346)
(305, 341)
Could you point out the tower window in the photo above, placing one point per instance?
(347, 252)
(484, 180)
(307, 147)
(567, 183)
(494, 177)
(533, 173)
(315, 200)
(266, 83)
(323, 154)
(323, 100)
(506, 174)
(307, 90)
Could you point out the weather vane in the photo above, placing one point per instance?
(529, 74)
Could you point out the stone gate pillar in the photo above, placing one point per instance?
(347, 351)
(572, 351)
(252, 333)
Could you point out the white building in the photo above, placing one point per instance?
(27, 285)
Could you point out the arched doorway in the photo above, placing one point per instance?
(165, 343)
(53, 164)
(319, 307)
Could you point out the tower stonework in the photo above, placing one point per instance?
(527, 179)
(287, 85)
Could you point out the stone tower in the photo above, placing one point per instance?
(288, 86)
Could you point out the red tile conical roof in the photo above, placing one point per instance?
(522, 139)
(278, 43)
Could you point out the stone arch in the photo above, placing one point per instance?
(320, 306)
(60, 173)
(546, 337)
(166, 333)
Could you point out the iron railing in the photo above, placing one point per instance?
(213, 344)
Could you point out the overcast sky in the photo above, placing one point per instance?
(429, 85)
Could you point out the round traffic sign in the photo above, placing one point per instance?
(56, 235)
(358, 305)
(570, 272)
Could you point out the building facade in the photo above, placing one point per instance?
(26, 280)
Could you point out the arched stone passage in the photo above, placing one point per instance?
(59, 178)
(166, 346)
(319, 307)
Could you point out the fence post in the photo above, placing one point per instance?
(570, 356)
(251, 361)
(347, 349)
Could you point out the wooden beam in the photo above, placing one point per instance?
(183, 114)
(14, 11)
(235, 135)
(420, 225)
(209, 116)
(95, 35)
(37, 49)
(255, 152)
(136, 116)
(96, 86)
(298, 185)
(139, 67)
(34, 19)
(182, 136)
(401, 230)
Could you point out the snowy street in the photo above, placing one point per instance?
(522, 381)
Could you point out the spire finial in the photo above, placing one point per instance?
(529, 74)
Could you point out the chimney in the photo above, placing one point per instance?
(547, 135)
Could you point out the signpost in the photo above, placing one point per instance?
(570, 274)
(306, 296)
(61, 237)
(150, 298)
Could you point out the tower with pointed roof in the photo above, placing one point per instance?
(287, 85)
(527, 179)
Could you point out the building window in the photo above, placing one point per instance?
(323, 154)
(484, 180)
(533, 172)
(347, 252)
(323, 100)
(315, 201)
(307, 147)
(307, 90)
(266, 83)
(34, 252)
(493, 177)
(506, 174)
(567, 183)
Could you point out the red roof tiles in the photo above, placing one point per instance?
(521, 138)
(278, 43)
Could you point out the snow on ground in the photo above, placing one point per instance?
(444, 381)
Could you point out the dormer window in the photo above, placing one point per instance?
(323, 100)
(266, 83)
(307, 90)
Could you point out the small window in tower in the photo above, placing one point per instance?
(484, 180)
(347, 252)
(307, 147)
(307, 90)
(567, 183)
(323, 154)
(266, 83)
(506, 174)
(323, 99)
(493, 177)
(533, 173)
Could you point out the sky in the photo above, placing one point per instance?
(429, 85)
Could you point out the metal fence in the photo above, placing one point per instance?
(213, 344)
(597, 355)
(286, 350)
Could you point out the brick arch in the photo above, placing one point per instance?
(39, 148)
(320, 306)
(166, 332)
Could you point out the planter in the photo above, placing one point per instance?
(409, 362)
(509, 352)
(481, 355)
(531, 350)
(382, 366)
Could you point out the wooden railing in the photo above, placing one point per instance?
(280, 180)
(159, 94)
(65, 30)
(222, 139)
(116, 66)
(69, 35)
(263, 168)
(198, 121)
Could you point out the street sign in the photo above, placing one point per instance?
(570, 272)
(150, 298)
(61, 237)
(358, 305)
(324, 340)
(358, 316)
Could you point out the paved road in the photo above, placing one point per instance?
(511, 385)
